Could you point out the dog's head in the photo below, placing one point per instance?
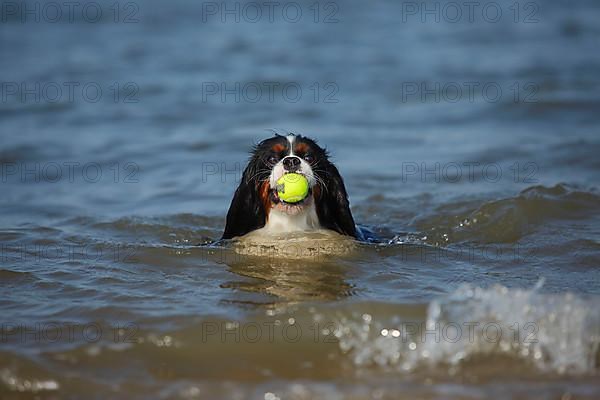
(256, 197)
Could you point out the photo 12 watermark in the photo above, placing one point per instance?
(69, 172)
(522, 172)
(27, 92)
(70, 253)
(59, 332)
(442, 250)
(287, 330)
(469, 92)
(413, 333)
(453, 12)
(414, 247)
(252, 12)
(69, 12)
(269, 92)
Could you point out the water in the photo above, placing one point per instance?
(485, 283)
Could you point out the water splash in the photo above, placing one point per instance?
(555, 333)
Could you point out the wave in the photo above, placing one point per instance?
(554, 333)
(506, 220)
(483, 333)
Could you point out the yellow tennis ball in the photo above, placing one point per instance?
(292, 188)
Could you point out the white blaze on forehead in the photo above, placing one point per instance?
(291, 139)
(305, 169)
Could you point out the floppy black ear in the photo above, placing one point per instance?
(246, 212)
(333, 208)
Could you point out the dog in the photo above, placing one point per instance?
(257, 208)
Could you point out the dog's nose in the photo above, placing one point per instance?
(291, 164)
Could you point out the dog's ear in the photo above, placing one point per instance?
(333, 208)
(246, 212)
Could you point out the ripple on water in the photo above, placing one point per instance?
(7, 275)
(508, 220)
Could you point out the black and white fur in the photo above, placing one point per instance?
(257, 208)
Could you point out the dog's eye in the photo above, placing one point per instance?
(273, 160)
(309, 158)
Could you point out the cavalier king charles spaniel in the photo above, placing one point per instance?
(257, 208)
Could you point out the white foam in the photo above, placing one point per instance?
(557, 333)
(15, 383)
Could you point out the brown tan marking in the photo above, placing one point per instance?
(301, 148)
(265, 197)
(316, 191)
(278, 148)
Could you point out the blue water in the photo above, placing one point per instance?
(470, 148)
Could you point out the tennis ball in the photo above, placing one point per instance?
(292, 188)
